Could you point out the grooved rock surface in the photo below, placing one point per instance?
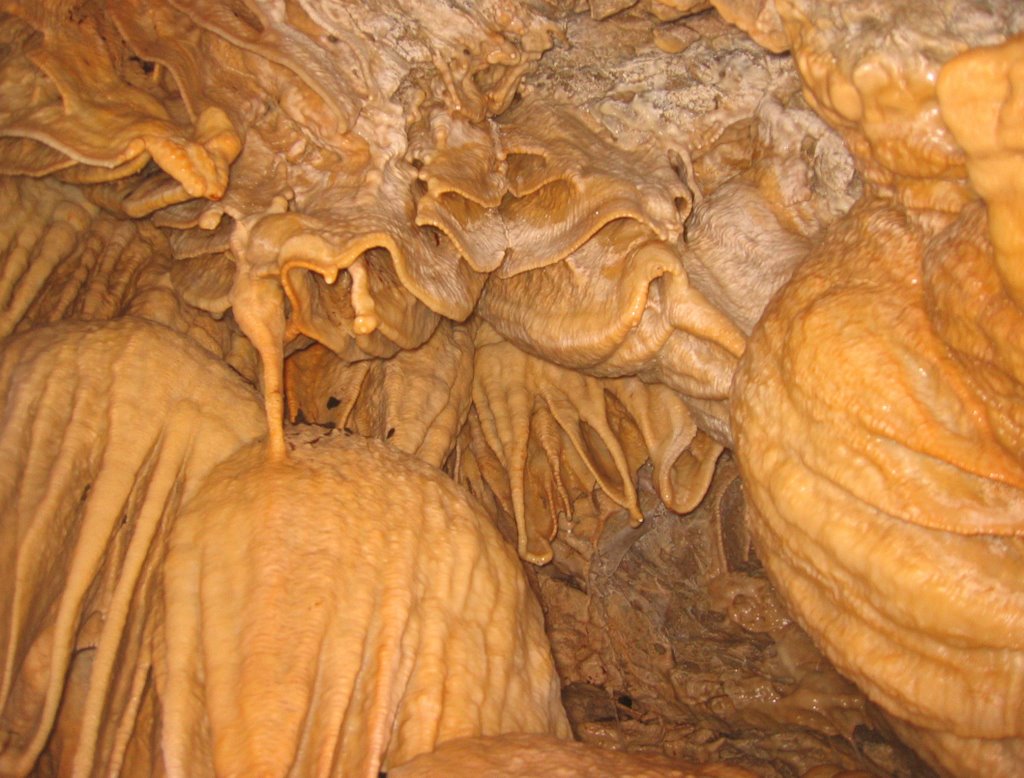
(357, 609)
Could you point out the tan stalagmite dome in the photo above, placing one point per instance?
(348, 631)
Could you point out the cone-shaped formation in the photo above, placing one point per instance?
(340, 588)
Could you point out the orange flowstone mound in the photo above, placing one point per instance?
(356, 609)
(886, 484)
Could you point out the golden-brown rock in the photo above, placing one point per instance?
(569, 179)
(622, 304)
(417, 400)
(758, 18)
(560, 434)
(887, 488)
(106, 428)
(340, 612)
(62, 258)
(347, 184)
(731, 230)
(875, 83)
(95, 107)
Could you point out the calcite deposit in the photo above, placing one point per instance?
(434, 382)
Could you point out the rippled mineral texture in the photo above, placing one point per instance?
(420, 386)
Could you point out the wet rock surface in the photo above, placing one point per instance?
(670, 639)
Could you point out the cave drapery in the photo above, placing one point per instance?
(316, 313)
